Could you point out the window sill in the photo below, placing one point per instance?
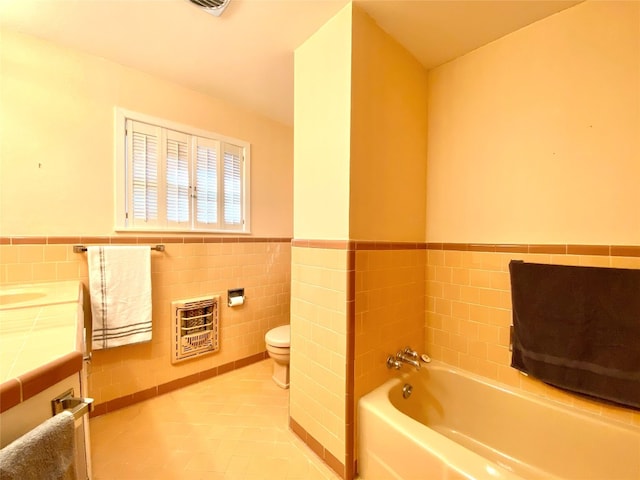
(181, 232)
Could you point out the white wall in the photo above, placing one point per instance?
(535, 138)
(57, 162)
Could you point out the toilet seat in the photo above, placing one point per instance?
(279, 337)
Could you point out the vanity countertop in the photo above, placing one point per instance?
(41, 337)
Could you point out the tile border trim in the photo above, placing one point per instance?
(10, 394)
(552, 249)
(325, 455)
(16, 390)
(357, 245)
(327, 244)
(137, 397)
(123, 240)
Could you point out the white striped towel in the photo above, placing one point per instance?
(120, 290)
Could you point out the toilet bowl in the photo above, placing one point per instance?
(278, 341)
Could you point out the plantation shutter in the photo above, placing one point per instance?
(232, 185)
(178, 194)
(207, 200)
(175, 178)
(143, 191)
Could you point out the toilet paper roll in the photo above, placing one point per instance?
(235, 301)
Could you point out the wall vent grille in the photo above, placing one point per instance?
(214, 7)
(195, 327)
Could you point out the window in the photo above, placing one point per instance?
(176, 178)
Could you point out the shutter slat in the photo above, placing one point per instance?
(145, 177)
(177, 166)
(207, 185)
(232, 186)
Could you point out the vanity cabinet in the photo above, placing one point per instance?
(42, 351)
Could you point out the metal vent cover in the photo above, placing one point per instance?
(214, 7)
(195, 327)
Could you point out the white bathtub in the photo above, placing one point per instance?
(456, 425)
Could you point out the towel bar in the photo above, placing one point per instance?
(66, 401)
(82, 248)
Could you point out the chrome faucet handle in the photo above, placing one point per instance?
(410, 352)
(392, 362)
(402, 357)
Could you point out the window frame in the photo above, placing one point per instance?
(122, 186)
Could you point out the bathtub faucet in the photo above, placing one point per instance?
(410, 353)
(403, 356)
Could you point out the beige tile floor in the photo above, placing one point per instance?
(234, 426)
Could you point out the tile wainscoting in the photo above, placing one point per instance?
(469, 309)
(367, 298)
(190, 266)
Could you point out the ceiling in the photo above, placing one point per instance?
(245, 56)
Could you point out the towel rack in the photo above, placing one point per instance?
(82, 248)
(76, 405)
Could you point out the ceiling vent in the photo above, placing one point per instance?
(214, 7)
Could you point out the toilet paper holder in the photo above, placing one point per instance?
(235, 297)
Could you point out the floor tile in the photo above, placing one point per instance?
(234, 426)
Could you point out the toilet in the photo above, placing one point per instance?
(278, 341)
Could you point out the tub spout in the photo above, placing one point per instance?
(405, 358)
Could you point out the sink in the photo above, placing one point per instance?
(7, 298)
(37, 294)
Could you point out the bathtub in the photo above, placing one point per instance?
(456, 425)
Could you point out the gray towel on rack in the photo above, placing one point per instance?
(45, 453)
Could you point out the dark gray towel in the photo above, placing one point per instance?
(578, 328)
(45, 453)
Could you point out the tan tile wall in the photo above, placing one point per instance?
(318, 345)
(184, 270)
(390, 305)
(469, 313)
